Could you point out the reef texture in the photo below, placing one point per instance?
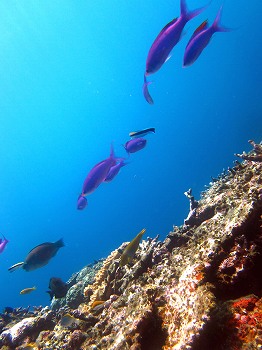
(75, 296)
(201, 288)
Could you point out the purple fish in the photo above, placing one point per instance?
(200, 39)
(114, 170)
(135, 145)
(3, 243)
(81, 202)
(167, 39)
(98, 174)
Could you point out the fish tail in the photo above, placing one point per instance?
(146, 93)
(16, 266)
(184, 12)
(183, 8)
(128, 154)
(60, 243)
(216, 25)
(112, 152)
(123, 163)
(5, 238)
(126, 151)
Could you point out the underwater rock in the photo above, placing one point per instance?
(199, 289)
(27, 329)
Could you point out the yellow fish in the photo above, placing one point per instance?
(131, 249)
(30, 346)
(97, 303)
(97, 306)
(27, 290)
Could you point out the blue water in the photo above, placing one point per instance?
(71, 74)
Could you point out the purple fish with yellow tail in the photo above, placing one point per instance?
(114, 170)
(3, 243)
(200, 39)
(135, 145)
(98, 174)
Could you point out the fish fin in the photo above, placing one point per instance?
(183, 8)
(216, 25)
(169, 56)
(184, 12)
(124, 163)
(16, 266)
(146, 93)
(4, 239)
(198, 30)
(60, 243)
(39, 245)
(166, 26)
(201, 27)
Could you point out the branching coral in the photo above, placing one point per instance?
(255, 155)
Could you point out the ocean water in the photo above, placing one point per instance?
(71, 75)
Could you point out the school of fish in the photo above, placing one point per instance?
(106, 170)
(170, 35)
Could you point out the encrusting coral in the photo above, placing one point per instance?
(200, 288)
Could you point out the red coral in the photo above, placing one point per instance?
(238, 261)
(246, 319)
(247, 303)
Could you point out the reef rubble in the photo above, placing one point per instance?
(200, 288)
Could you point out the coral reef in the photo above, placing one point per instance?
(200, 288)
(78, 282)
(255, 154)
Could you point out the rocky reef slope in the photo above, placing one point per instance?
(200, 288)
